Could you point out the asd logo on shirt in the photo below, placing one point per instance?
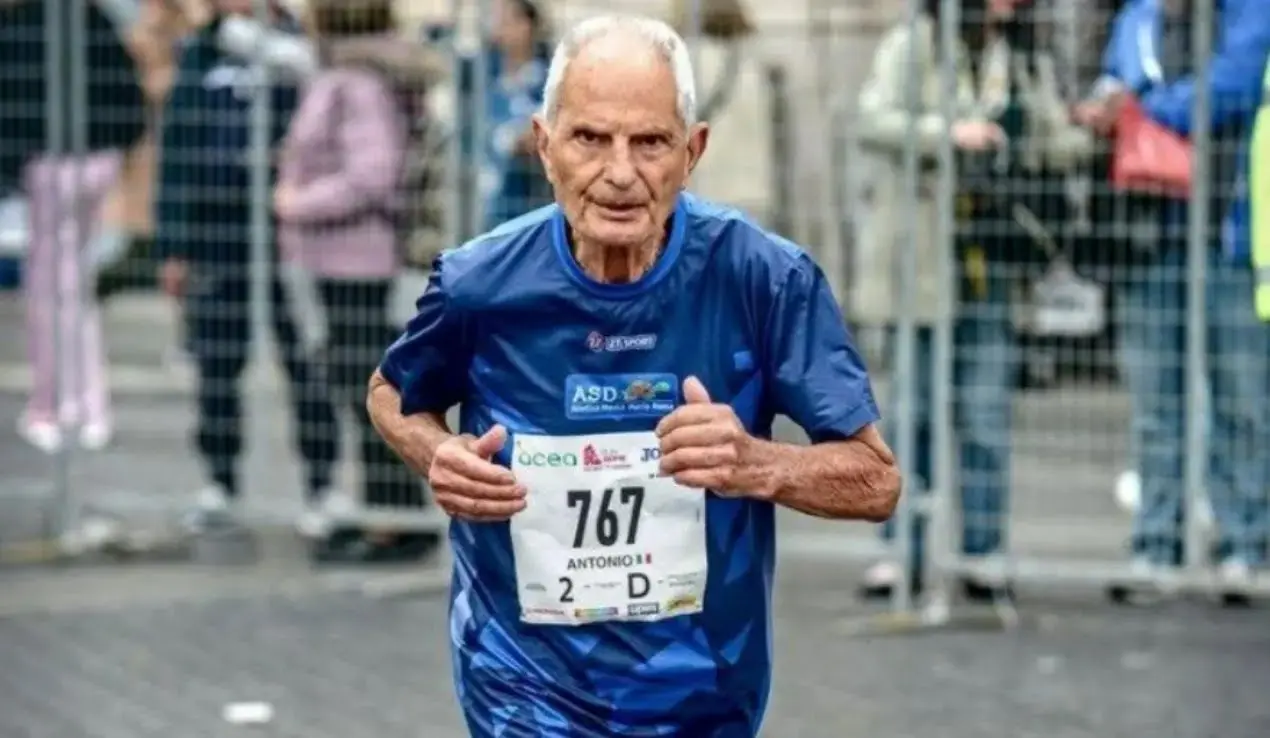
(616, 396)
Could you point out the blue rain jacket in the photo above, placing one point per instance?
(1240, 49)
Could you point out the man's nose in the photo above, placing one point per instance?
(620, 172)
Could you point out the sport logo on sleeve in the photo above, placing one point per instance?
(617, 396)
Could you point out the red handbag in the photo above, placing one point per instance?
(1148, 158)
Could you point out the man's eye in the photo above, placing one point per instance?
(587, 137)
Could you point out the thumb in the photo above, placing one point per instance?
(490, 443)
(695, 392)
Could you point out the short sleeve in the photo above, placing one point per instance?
(428, 364)
(815, 373)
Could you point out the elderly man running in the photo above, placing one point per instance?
(619, 358)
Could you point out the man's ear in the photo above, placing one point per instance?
(542, 140)
(698, 138)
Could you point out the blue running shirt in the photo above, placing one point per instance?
(511, 328)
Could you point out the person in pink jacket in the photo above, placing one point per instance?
(337, 198)
(66, 187)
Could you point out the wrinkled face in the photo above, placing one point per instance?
(617, 153)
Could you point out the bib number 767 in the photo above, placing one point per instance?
(608, 519)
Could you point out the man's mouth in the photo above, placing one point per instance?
(619, 210)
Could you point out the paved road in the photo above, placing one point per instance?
(342, 666)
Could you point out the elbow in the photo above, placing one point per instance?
(884, 489)
(375, 389)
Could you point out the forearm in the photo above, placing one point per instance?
(414, 438)
(847, 480)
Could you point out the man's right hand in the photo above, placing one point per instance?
(173, 276)
(468, 485)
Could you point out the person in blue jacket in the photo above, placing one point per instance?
(1149, 56)
(510, 181)
(203, 229)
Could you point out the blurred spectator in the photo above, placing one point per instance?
(203, 215)
(517, 52)
(1080, 34)
(1149, 56)
(511, 179)
(338, 196)
(124, 247)
(65, 193)
(1011, 126)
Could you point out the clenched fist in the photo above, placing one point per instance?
(468, 485)
(702, 442)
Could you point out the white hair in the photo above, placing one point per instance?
(659, 37)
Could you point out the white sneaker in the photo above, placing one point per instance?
(45, 436)
(95, 436)
(880, 578)
(210, 504)
(321, 516)
(313, 523)
(1236, 576)
(882, 574)
(1148, 584)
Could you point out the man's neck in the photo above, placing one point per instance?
(615, 265)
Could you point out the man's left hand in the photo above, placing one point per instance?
(702, 442)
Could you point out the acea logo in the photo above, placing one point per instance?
(552, 459)
(599, 342)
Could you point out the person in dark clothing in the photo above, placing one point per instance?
(65, 181)
(1010, 130)
(203, 238)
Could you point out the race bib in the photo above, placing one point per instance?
(603, 537)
